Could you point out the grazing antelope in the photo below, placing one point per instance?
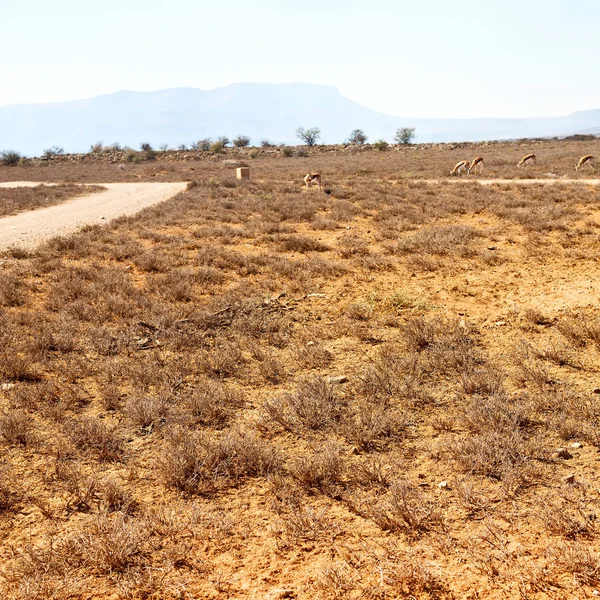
(527, 159)
(463, 165)
(476, 164)
(587, 159)
(312, 178)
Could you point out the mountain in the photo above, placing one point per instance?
(258, 110)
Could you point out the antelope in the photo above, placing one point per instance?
(527, 159)
(312, 178)
(463, 165)
(477, 163)
(587, 159)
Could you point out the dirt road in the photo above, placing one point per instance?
(28, 229)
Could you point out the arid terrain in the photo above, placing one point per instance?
(385, 390)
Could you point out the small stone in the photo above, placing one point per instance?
(576, 445)
(596, 390)
(569, 479)
(500, 323)
(443, 485)
(335, 380)
(310, 343)
(492, 247)
(315, 295)
(277, 594)
(7, 386)
(562, 453)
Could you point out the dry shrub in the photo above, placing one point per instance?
(315, 405)
(224, 360)
(17, 428)
(503, 455)
(271, 368)
(113, 544)
(440, 239)
(81, 487)
(369, 426)
(313, 356)
(9, 491)
(359, 311)
(497, 412)
(352, 245)
(392, 376)
(198, 463)
(321, 471)
(406, 509)
(483, 381)
(114, 497)
(13, 290)
(91, 433)
(372, 472)
(302, 243)
(148, 411)
(301, 523)
(569, 516)
(213, 403)
(410, 577)
(578, 560)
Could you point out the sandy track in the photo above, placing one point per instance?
(28, 229)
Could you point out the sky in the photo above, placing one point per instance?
(423, 58)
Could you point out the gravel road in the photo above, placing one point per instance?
(28, 229)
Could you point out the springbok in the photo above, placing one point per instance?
(476, 165)
(463, 165)
(312, 178)
(587, 159)
(527, 159)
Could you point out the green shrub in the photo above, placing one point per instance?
(381, 145)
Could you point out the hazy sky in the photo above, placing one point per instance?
(425, 58)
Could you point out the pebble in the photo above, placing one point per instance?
(562, 453)
(443, 485)
(335, 380)
(577, 445)
(7, 386)
(569, 479)
(277, 594)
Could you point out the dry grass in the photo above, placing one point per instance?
(343, 395)
(15, 200)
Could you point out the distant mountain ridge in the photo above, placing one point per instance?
(258, 110)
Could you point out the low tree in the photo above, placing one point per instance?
(53, 151)
(223, 140)
(164, 147)
(309, 136)
(97, 147)
(358, 137)
(381, 145)
(10, 158)
(241, 141)
(266, 144)
(182, 147)
(404, 135)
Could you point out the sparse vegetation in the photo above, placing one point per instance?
(383, 391)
